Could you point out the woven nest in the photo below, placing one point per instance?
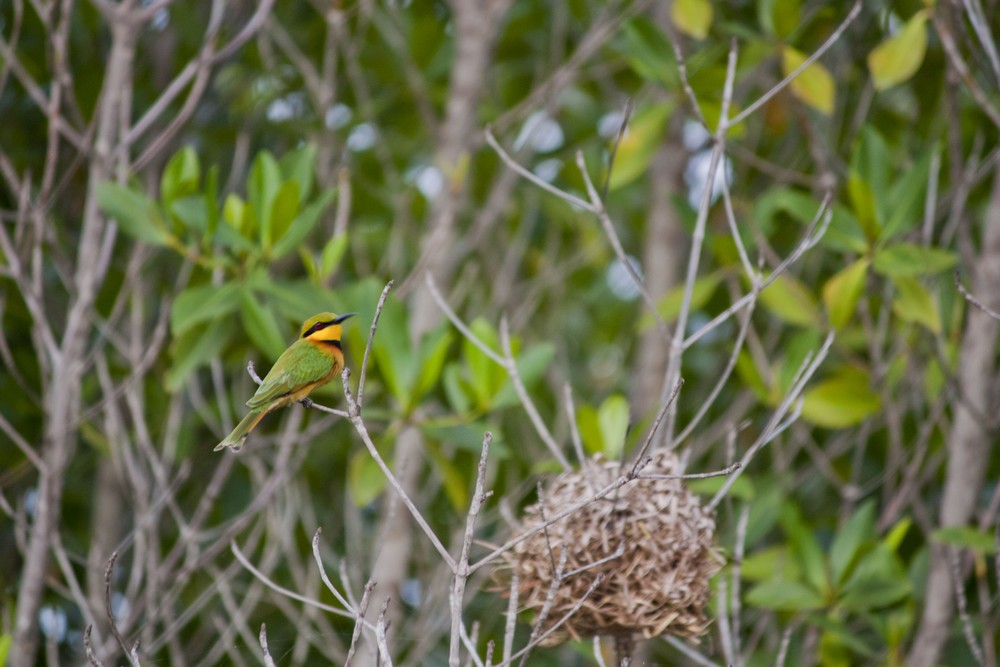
(660, 581)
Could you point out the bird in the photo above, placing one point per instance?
(311, 361)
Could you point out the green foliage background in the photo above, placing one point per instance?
(239, 230)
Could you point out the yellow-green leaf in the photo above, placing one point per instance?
(692, 17)
(639, 144)
(914, 303)
(669, 305)
(613, 420)
(899, 57)
(787, 298)
(813, 85)
(842, 291)
(966, 537)
(909, 259)
(364, 478)
(844, 399)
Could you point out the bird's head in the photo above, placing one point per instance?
(324, 328)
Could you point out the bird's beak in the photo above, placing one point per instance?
(343, 317)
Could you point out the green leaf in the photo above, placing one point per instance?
(788, 298)
(752, 377)
(136, 214)
(296, 299)
(649, 53)
(844, 399)
(692, 17)
(393, 354)
(806, 548)
(847, 544)
(784, 596)
(864, 205)
(589, 425)
(190, 213)
(742, 488)
(772, 562)
(895, 536)
(785, 16)
(899, 57)
(181, 176)
(452, 479)
(299, 166)
(639, 145)
(906, 197)
(966, 537)
(844, 232)
(878, 581)
(239, 215)
(211, 197)
(365, 480)
(868, 180)
(454, 389)
(531, 364)
(304, 223)
(910, 259)
(813, 85)
(842, 291)
(261, 325)
(283, 212)
(196, 347)
(202, 303)
(467, 436)
(6, 641)
(914, 303)
(800, 345)
(613, 419)
(433, 353)
(262, 187)
(485, 376)
(669, 305)
(333, 252)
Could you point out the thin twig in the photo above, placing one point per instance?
(89, 650)
(775, 426)
(973, 300)
(525, 173)
(511, 623)
(461, 571)
(281, 589)
(268, 660)
(830, 41)
(573, 428)
(656, 425)
(380, 638)
(728, 470)
(322, 572)
(963, 606)
(371, 337)
(359, 621)
(597, 206)
(529, 406)
(362, 430)
(133, 653)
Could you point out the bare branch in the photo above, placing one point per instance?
(371, 337)
(268, 660)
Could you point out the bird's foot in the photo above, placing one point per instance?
(307, 403)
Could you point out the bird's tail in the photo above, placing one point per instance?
(239, 435)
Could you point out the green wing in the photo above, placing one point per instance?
(299, 365)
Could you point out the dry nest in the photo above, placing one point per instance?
(650, 541)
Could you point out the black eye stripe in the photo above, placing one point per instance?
(316, 327)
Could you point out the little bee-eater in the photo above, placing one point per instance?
(310, 362)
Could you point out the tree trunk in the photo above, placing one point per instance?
(969, 440)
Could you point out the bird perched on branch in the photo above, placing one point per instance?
(310, 362)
